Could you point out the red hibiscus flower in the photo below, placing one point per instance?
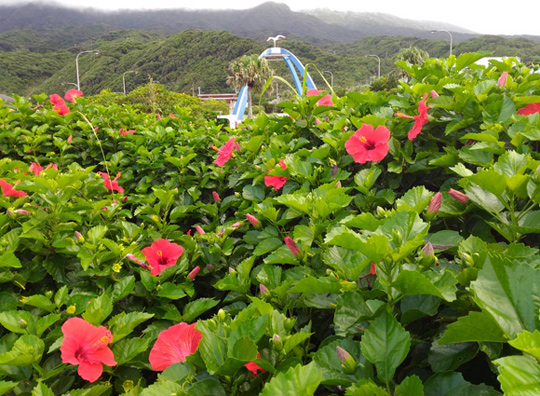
(72, 94)
(420, 120)
(324, 101)
(9, 191)
(36, 168)
(368, 144)
(111, 185)
(162, 254)
(86, 345)
(56, 100)
(275, 181)
(125, 131)
(226, 152)
(254, 367)
(173, 345)
(61, 109)
(531, 108)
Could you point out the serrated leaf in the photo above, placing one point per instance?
(298, 380)
(125, 350)
(42, 390)
(195, 308)
(98, 310)
(442, 285)
(519, 376)
(410, 386)
(475, 327)
(386, 343)
(124, 324)
(528, 342)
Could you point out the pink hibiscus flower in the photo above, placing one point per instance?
(420, 120)
(368, 144)
(173, 345)
(162, 254)
(226, 152)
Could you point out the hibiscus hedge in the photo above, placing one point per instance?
(374, 244)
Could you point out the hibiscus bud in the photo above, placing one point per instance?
(373, 268)
(217, 199)
(222, 315)
(124, 200)
(338, 184)
(458, 196)
(433, 93)
(194, 272)
(428, 249)
(334, 171)
(78, 237)
(131, 257)
(264, 290)
(232, 271)
(10, 213)
(70, 139)
(467, 259)
(237, 224)
(252, 219)
(22, 211)
(347, 361)
(199, 230)
(502, 79)
(293, 247)
(277, 343)
(435, 203)
(23, 324)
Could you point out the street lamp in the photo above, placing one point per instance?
(65, 83)
(331, 78)
(450, 34)
(124, 78)
(379, 69)
(77, 66)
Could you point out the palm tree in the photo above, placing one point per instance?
(249, 70)
(412, 55)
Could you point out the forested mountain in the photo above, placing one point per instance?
(40, 58)
(258, 22)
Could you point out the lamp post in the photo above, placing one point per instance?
(331, 78)
(450, 34)
(379, 68)
(77, 66)
(65, 83)
(124, 78)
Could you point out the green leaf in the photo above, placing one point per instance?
(475, 327)
(26, 351)
(42, 390)
(161, 388)
(98, 310)
(39, 301)
(415, 199)
(9, 260)
(6, 386)
(253, 193)
(443, 358)
(519, 376)
(95, 234)
(410, 386)
(366, 387)
(20, 322)
(352, 309)
(481, 197)
(311, 284)
(122, 288)
(510, 292)
(298, 380)
(123, 324)
(294, 340)
(171, 291)
(328, 364)
(528, 342)
(437, 284)
(267, 245)
(349, 263)
(452, 384)
(243, 349)
(207, 386)
(490, 180)
(195, 308)
(386, 343)
(45, 322)
(125, 350)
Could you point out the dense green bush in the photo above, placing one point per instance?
(385, 244)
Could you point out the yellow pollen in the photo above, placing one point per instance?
(159, 253)
(102, 341)
(362, 139)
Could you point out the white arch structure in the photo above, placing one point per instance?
(298, 73)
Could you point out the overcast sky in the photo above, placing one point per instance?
(481, 16)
